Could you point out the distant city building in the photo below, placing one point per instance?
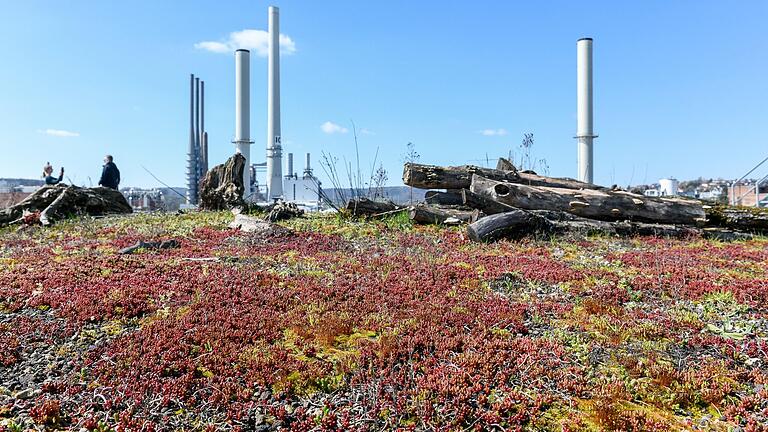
(669, 187)
(665, 187)
(709, 190)
(744, 194)
(652, 193)
(144, 199)
(711, 195)
(26, 189)
(13, 191)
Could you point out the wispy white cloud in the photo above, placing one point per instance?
(494, 132)
(254, 40)
(365, 131)
(59, 133)
(332, 128)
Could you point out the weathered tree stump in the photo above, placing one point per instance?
(222, 187)
(59, 201)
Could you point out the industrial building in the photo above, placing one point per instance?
(304, 190)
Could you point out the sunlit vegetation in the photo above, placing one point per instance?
(351, 325)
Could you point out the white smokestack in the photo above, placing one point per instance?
(290, 165)
(243, 113)
(584, 132)
(274, 144)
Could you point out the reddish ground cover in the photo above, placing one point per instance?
(377, 326)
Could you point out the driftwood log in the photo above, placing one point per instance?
(222, 187)
(56, 202)
(750, 219)
(367, 207)
(568, 205)
(520, 223)
(460, 177)
(451, 197)
(512, 224)
(482, 203)
(594, 204)
(430, 214)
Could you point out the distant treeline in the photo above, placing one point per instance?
(396, 194)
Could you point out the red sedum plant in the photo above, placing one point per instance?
(349, 326)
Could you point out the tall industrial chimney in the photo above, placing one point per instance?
(274, 145)
(191, 151)
(205, 153)
(243, 114)
(308, 168)
(584, 132)
(203, 134)
(290, 166)
(197, 123)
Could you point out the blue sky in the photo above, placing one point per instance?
(680, 86)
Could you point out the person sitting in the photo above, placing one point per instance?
(48, 175)
(110, 175)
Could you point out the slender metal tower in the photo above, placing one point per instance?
(191, 151)
(243, 114)
(274, 144)
(584, 131)
(197, 130)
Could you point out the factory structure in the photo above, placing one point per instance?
(306, 189)
(303, 190)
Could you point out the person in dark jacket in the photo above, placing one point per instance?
(110, 175)
(48, 175)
